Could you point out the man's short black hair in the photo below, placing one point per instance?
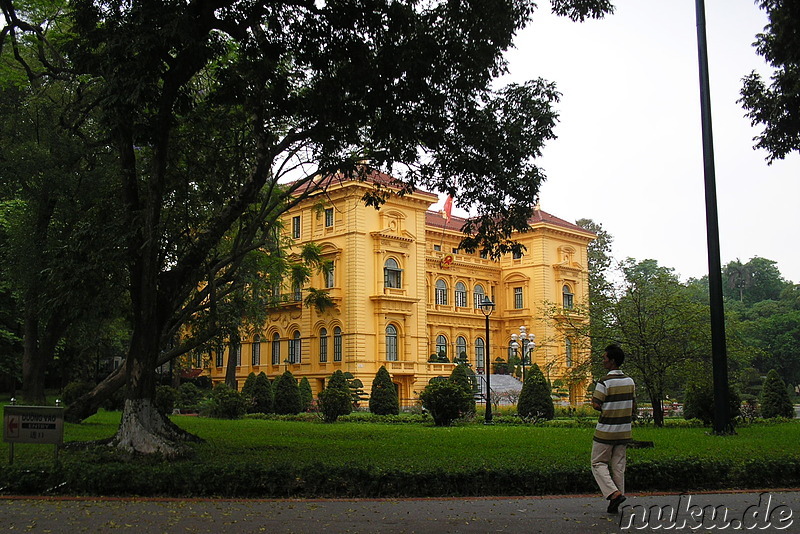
(615, 352)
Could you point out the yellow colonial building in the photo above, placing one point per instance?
(403, 292)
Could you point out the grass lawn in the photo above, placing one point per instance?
(682, 458)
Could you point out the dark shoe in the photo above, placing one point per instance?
(613, 506)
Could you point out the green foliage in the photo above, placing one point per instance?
(383, 398)
(699, 400)
(775, 400)
(287, 394)
(336, 399)
(306, 395)
(333, 403)
(165, 399)
(775, 106)
(189, 397)
(535, 402)
(263, 400)
(356, 389)
(460, 375)
(249, 384)
(225, 403)
(446, 401)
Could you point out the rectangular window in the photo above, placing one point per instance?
(337, 346)
(518, 303)
(276, 350)
(219, 358)
(237, 350)
(461, 298)
(297, 292)
(329, 278)
(323, 348)
(437, 247)
(328, 217)
(256, 360)
(296, 227)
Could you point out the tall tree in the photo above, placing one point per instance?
(776, 106)
(659, 325)
(211, 107)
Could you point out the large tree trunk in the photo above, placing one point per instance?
(145, 430)
(38, 353)
(88, 404)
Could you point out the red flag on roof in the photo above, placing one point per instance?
(448, 208)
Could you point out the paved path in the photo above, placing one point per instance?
(556, 515)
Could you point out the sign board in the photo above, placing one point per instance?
(33, 424)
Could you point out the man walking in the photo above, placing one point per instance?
(615, 398)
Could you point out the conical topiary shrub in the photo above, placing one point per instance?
(535, 401)
(383, 396)
(287, 395)
(263, 397)
(775, 400)
(306, 396)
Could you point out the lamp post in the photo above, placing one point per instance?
(528, 344)
(487, 307)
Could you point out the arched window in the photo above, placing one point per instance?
(511, 350)
(441, 292)
(461, 348)
(480, 353)
(276, 349)
(461, 295)
(477, 296)
(441, 346)
(568, 351)
(323, 345)
(568, 297)
(391, 343)
(392, 274)
(294, 348)
(256, 359)
(337, 344)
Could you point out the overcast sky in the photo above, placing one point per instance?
(629, 152)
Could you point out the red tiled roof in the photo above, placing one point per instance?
(374, 177)
(435, 219)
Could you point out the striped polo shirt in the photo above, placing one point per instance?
(615, 394)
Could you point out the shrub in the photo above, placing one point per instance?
(225, 403)
(535, 401)
(249, 384)
(306, 396)
(699, 401)
(461, 377)
(263, 397)
(189, 397)
(336, 399)
(287, 395)
(116, 402)
(334, 402)
(775, 400)
(383, 398)
(165, 399)
(446, 401)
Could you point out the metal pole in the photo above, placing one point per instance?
(488, 418)
(722, 423)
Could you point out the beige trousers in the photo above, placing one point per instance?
(608, 467)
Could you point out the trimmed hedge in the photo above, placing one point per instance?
(243, 480)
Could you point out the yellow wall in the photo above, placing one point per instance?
(362, 239)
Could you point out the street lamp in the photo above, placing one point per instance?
(487, 307)
(528, 344)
